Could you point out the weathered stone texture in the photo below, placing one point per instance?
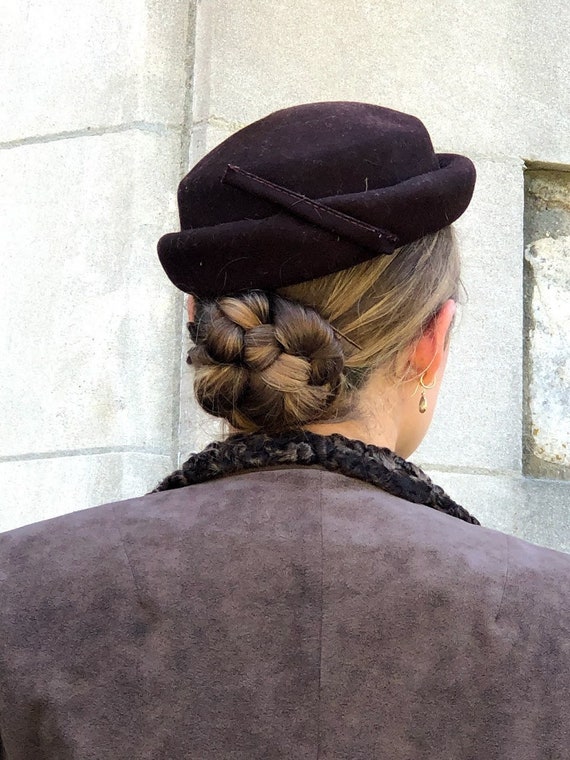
(197, 429)
(544, 515)
(549, 360)
(94, 100)
(547, 300)
(495, 500)
(535, 510)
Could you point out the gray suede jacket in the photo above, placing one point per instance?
(285, 613)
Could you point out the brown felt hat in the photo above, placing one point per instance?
(308, 191)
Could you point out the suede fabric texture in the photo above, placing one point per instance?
(285, 613)
(308, 191)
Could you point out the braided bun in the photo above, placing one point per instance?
(265, 362)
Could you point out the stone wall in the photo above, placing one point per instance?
(104, 126)
(93, 139)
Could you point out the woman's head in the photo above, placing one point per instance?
(330, 221)
(312, 353)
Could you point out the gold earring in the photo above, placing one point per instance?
(423, 402)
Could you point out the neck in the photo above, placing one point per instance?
(375, 421)
(366, 430)
(383, 416)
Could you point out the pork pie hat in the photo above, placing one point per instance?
(308, 191)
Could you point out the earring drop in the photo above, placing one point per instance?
(423, 401)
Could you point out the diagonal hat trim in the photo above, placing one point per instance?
(280, 249)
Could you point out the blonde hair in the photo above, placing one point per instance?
(279, 361)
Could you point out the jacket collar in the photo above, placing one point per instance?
(378, 466)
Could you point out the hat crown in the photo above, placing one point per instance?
(308, 191)
(318, 150)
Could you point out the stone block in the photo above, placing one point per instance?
(38, 489)
(495, 501)
(90, 344)
(68, 66)
(478, 419)
(534, 510)
(547, 233)
(486, 77)
(544, 517)
(549, 361)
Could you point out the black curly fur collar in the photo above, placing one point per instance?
(377, 466)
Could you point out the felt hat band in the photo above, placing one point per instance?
(375, 239)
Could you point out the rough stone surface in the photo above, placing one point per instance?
(37, 489)
(95, 99)
(547, 301)
(69, 66)
(88, 343)
(204, 138)
(549, 341)
(197, 429)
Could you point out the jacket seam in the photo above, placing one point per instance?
(129, 564)
(506, 578)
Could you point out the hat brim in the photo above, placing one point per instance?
(283, 249)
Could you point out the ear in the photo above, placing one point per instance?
(429, 351)
(191, 307)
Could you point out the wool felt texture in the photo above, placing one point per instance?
(308, 191)
(355, 459)
(278, 614)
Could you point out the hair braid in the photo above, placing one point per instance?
(265, 362)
